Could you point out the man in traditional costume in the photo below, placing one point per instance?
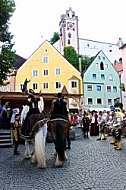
(17, 127)
(59, 110)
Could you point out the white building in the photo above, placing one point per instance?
(69, 36)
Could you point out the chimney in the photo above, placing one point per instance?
(80, 64)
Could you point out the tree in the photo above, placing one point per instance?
(122, 87)
(7, 55)
(55, 38)
(71, 56)
(85, 60)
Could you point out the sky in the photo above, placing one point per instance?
(35, 21)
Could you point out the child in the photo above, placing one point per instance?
(16, 133)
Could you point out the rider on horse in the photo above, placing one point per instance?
(59, 107)
(59, 110)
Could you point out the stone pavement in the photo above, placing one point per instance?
(91, 165)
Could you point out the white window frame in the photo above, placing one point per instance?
(89, 87)
(45, 59)
(44, 72)
(59, 84)
(114, 87)
(1, 89)
(9, 88)
(45, 85)
(35, 73)
(111, 77)
(109, 87)
(99, 99)
(73, 84)
(100, 87)
(35, 86)
(109, 101)
(88, 101)
(58, 71)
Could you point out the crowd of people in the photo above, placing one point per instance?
(102, 124)
(93, 123)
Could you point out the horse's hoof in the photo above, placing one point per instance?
(60, 166)
(27, 157)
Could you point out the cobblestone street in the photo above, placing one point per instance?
(91, 165)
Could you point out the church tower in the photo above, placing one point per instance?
(69, 31)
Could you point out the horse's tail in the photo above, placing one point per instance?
(40, 149)
(59, 142)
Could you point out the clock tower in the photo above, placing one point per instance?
(69, 31)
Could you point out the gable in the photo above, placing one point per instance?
(100, 65)
(55, 57)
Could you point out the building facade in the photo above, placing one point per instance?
(101, 83)
(49, 72)
(123, 51)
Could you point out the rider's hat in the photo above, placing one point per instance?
(59, 95)
(31, 91)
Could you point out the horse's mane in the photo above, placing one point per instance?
(41, 104)
(24, 113)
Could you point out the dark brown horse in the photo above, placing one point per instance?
(59, 129)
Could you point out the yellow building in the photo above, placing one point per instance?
(49, 72)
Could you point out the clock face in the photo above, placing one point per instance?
(70, 25)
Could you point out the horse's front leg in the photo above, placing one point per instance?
(58, 162)
(27, 153)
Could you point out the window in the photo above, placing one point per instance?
(110, 77)
(98, 88)
(69, 41)
(102, 76)
(35, 86)
(74, 84)
(46, 50)
(58, 71)
(90, 101)
(89, 87)
(94, 76)
(69, 35)
(97, 65)
(58, 84)
(101, 66)
(45, 59)
(8, 78)
(108, 88)
(106, 66)
(45, 72)
(99, 101)
(9, 89)
(1, 89)
(21, 87)
(114, 89)
(35, 73)
(109, 101)
(103, 58)
(99, 57)
(45, 85)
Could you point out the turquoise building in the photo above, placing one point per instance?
(101, 83)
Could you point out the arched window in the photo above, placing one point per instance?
(69, 35)
(101, 66)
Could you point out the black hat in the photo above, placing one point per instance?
(59, 95)
(31, 91)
